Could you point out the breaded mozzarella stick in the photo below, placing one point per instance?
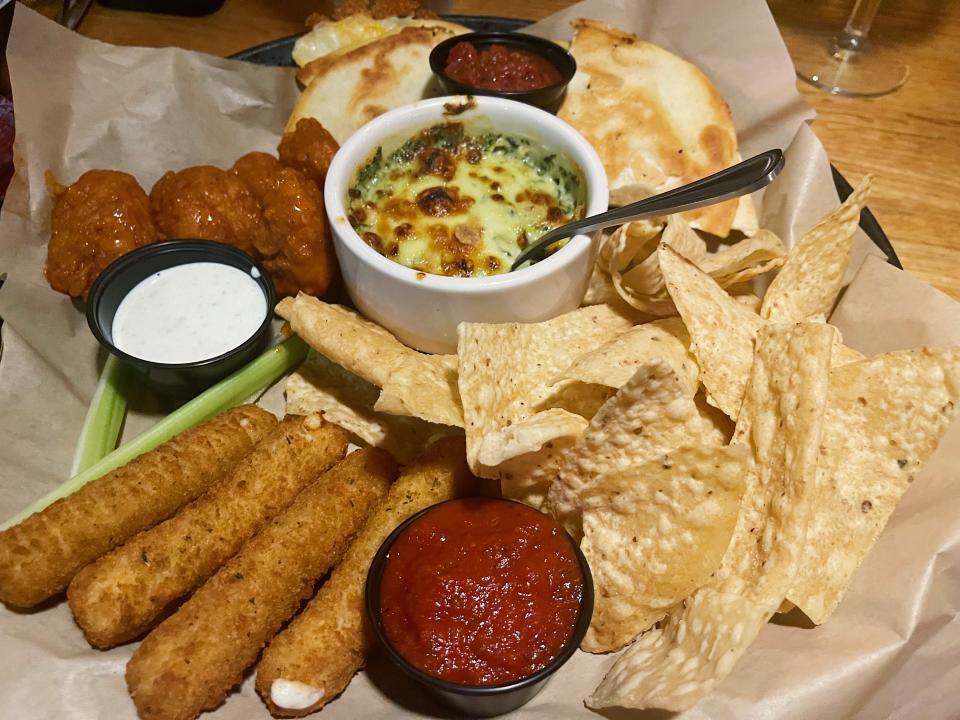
(314, 659)
(40, 556)
(124, 593)
(191, 661)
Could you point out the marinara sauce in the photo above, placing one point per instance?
(497, 67)
(481, 591)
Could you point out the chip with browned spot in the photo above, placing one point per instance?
(413, 383)
(511, 410)
(320, 386)
(653, 533)
(810, 280)
(884, 418)
(675, 665)
(653, 413)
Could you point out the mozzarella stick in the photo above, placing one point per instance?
(41, 555)
(191, 661)
(314, 659)
(124, 593)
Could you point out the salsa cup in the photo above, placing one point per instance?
(475, 700)
(548, 97)
(423, 310)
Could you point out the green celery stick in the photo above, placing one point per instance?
(247, 382)
(101, 427)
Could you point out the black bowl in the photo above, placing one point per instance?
(475, 700)
(179, 380)
(547, 98)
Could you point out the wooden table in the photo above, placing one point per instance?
(910, 139)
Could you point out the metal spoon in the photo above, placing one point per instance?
(740, 179)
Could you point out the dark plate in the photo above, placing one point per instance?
(277, 52)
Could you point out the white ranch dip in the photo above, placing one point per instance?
(189, 313)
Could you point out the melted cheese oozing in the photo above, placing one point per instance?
(342, 36)
(474, 213)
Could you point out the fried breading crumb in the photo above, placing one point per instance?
(393, 8)
(378, 9)
(351, 7)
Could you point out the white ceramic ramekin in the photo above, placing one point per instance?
(424, 310)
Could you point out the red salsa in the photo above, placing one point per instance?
(481, 591)
(497, 67)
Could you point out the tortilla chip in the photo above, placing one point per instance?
(417, 377)
(654, 533)
(716, 428)
(348, 401)
(843, 355)
(745, 298)
(638, 280)
(630, 243)
(529, 435)
(642, 284)
(600, 290)
(884, 418)
(650, 415)
(809, 282)
(744, 259)
(721, 329)
(615, 362)
(421, 385)
(674, 666)
(527, 478)
(745, 221)
(505, 373)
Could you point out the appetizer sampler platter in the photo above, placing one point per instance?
(715, 456)
(279, 53)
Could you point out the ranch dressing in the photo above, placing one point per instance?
(189, 313)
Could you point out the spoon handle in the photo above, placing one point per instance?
(740, 179)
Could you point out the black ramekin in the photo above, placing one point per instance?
(475, 700)
(547, 98)
(179, 380)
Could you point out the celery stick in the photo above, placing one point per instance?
(101, 427)
(245, 383)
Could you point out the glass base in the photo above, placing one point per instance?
(852, 68)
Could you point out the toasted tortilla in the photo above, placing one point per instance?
(330, 38)
(655, 120)
(347, 90)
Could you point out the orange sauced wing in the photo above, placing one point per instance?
(295, 246)
(309, 148)
(101, 216)
(207, 203)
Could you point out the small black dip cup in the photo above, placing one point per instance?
(475, 700)
(548, 98)
(178, 380)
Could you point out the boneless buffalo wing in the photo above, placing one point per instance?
(208, 203)
(295, 246)
(100, 217)
(270, 209)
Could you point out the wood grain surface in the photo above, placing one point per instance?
(909, 139)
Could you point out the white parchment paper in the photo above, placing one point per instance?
(892, 649)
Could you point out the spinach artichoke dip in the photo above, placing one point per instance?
(464, 204)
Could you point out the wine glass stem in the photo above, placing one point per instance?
(858, 25)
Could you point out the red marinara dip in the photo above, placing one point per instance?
(481, 591)
(497, 67)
